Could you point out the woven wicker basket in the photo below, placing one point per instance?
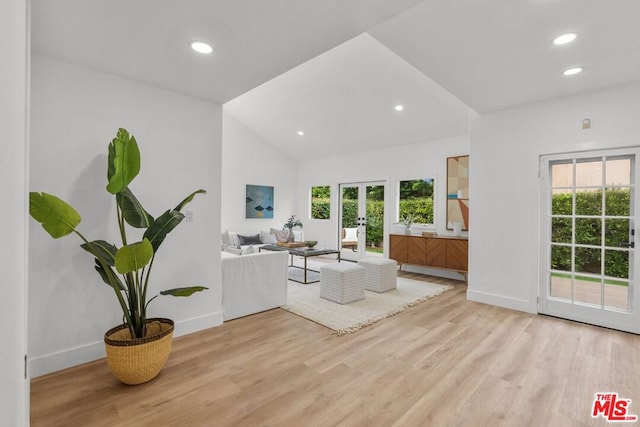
(136, 361)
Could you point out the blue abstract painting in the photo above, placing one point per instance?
(259, 199)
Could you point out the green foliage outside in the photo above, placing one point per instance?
(349, 213)
(588, 231)
(375, 218)
(416, 200)
(421, 210)
(321, 202)
(375, 221)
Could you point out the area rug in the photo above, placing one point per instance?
(305, 301)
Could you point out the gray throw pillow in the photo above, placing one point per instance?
(249, 240)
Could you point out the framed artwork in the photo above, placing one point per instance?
(458, 191)
(259, 199)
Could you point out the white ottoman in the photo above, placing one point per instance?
(380, 274)
(342, 283)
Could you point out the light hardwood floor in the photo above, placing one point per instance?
(445, 362)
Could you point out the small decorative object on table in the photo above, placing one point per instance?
(310, 243)
(290, 244)
(290, 224)
(407, 221)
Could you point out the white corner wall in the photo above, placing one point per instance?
(75, 114)
(14, 48)
(505, 149)
(249, 159)
(422, 160)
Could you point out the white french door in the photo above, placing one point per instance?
(588, 255)
(362, 219)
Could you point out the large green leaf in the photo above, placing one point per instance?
(105, 278)
(188, 199)
(57, 217)
(124, 161)
(162, 226)
(183, 292)
(132, 210)
(101, 248)
(133, 257)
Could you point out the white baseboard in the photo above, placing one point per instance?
(196, 324)
(501, 301)
(448, 274)
(64, 359)
(75, 356)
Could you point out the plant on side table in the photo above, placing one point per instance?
(138, 349)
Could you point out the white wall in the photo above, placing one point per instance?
(424, 160)
(14, 388)
(249, 159)
(505, 150)
(75, 114)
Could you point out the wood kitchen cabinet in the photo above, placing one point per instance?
(447, 252)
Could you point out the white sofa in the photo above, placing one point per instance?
(253, 283)
(232, 241)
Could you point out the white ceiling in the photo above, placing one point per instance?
(494, 54)
(437, 57)
(344, 102)
(148, 40)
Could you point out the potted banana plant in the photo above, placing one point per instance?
(139, 347)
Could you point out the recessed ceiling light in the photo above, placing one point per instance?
(565, 38)
(572, 71)
(301, 133)
(201, 47)
(399, 107)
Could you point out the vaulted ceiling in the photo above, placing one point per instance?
(335, 69)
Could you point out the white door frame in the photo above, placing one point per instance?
(617, 319)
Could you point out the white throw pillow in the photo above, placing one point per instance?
(267, 238)
(281, 235)
(235, 241)
(226, 238)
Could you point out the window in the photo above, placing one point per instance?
(321, 202)
(415, 201)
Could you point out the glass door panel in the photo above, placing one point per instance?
(361, 228)
(588, 252)
(374, 220)
(350, 232)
